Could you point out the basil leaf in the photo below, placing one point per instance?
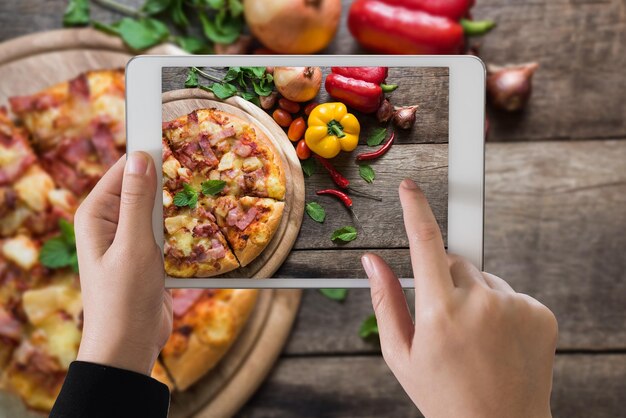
(192, 78)
(223, 30)
(55, 253)
(369, 327)
(213, 187)
(186, 197)
(236, 7)
(215, 4)
(143, 33)
(377, 137)
(191, 44)
(345, 234)
(262, 90)
(248, 96)
(315, 211)
(74, 261)
(76, 13)
(308, 166)
(153, 7)
(257, 72)
(335, 294)
(367, 173)
(223, 91)
(232, 74)
(67, 232)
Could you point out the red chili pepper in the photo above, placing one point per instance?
(399, 27)
(379, 152)
(345, 199)
(340, 180)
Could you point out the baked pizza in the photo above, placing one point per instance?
(223, 186)
(58, 145)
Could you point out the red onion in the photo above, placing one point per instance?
(404, 117)
(510, 87)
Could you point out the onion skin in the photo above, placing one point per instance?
(404, 117)
(298, 84)
(385, 111)
(293, 26)
(510, 87)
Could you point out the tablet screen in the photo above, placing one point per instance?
(294, 171)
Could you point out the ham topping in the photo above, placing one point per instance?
(204, 230)
(79, 87)
(192, 117)
(247, 219)
(104, 144)
(205, 145)
(222, 134)
(23, 104)
(242, 150)
(173, 124)
(184, 299)
(9, 326)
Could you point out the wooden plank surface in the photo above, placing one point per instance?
(313, 387)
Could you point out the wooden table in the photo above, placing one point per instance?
(555, 218)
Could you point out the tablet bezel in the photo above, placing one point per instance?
(465, 149)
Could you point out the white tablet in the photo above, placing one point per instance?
(238, 202)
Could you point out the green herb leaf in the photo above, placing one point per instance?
(308, 166)
(367, 173)
(248, 96)
(236, 7)
(335, 294)
(345, 234)
(177, 13)
(223, 91)
(60, 251)
(153, 7)
(106, 28)
(76, 13)
(377, 137)
(225, 29)
(191, 44)
(213, 187)
(143, 33)
(232, 74)
(369, 327)
(257, 72)
(315, 211)
(186, 197)
(215, 4)
(192, 78)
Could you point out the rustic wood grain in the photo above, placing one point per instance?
(427, 87)
(312, 387)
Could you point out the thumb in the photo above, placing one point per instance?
(137, 200)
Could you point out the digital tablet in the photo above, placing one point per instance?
(281, 171)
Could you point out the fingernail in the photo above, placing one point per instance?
(137, 163)
(409, 184)
(367, 265)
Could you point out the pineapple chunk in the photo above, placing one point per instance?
(33, 188)
(62, 338)
(39, 304)
(22, 251)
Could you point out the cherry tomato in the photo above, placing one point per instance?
(289, 106)
(309, 108)
(282, 118)
(296, 129)
(302, 150)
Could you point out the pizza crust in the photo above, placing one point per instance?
(198, 358)
(252, 250)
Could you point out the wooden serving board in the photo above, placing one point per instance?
(181, 102)
(31, 63)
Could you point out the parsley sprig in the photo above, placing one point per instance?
(246, 82)
(60, 251)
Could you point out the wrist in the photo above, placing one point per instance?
(117, 352)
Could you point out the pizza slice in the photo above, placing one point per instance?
(77, 127)
(248, 223)
(206, 323)
(216, 145)
(194, 245)
(159, 373)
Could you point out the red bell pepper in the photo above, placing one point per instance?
(358, 87)
(387, 27)
(454, 9)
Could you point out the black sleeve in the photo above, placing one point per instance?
(91, 390)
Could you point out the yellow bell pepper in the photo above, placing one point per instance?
(332, 129)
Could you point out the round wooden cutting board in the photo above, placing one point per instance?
(34, 62)
(181, 102)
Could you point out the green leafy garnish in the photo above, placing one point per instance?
(191, 44)
(377, 137)
(186, 197)
(315, 211)
(192, 78)
(153, 7)
(345, 234)
(223, 91)
(60, 251)
(76, 13)
(335, 294)
(213, 187)
(225, 28)
(308, 166)
(367, 173)
(369, 327)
